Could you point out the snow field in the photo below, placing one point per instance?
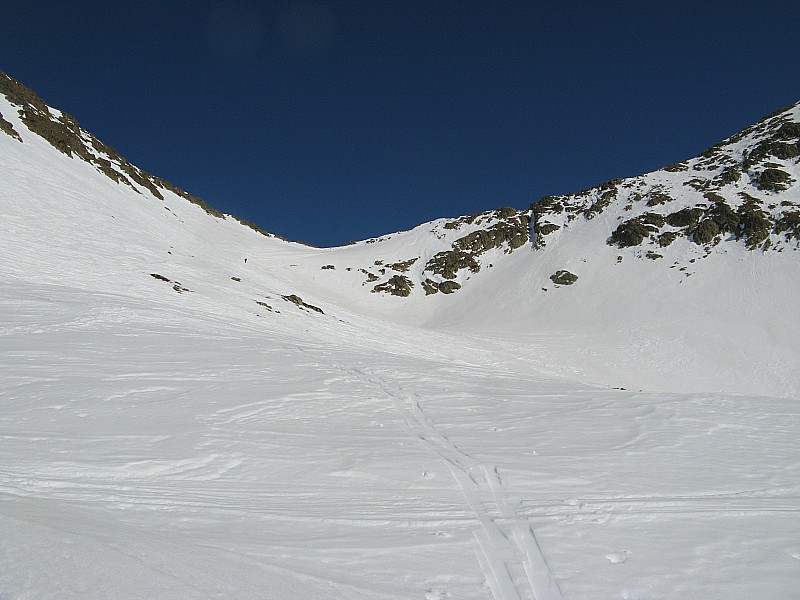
(170, 460)
(160, 443)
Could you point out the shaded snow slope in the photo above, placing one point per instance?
(193, 409)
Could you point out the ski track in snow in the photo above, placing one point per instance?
(520, 451)
(500, 554)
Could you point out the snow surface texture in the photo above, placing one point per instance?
(178, 421)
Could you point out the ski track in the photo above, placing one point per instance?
(509, 555)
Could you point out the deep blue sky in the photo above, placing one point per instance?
(330, 121)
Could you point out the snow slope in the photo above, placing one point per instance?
(208, 433)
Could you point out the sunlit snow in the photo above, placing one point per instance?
(196, 444)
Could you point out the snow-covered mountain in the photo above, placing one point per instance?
(681, 279)
(595, 397)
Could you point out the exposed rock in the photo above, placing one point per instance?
(754, 225)
(666, 238)
(370, 276)
(256, 228)
(512, 231)
(773, 180)
(658, 198)
(547, 228)
(7, 128)
(294, 299)
(548, 205)
(724, 216)
(655, 219)
(631, 233)
(563, 278)
(65, 134)
(731, 174)
(477, 218)
(705, 231)
(780, 143)
(448, 287)
(685, 217)
(608, 194)
(397, 285)
(430, 287)
(403, 266)
(789, 224)
(448, 262)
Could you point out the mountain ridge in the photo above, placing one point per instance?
(777, 136)
(578, 275)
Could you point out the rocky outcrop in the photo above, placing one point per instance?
(563, 278)
(739, 190)
(65, 134)
(398, 285)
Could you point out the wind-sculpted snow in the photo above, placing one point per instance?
(151, 456)
(193, 410)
